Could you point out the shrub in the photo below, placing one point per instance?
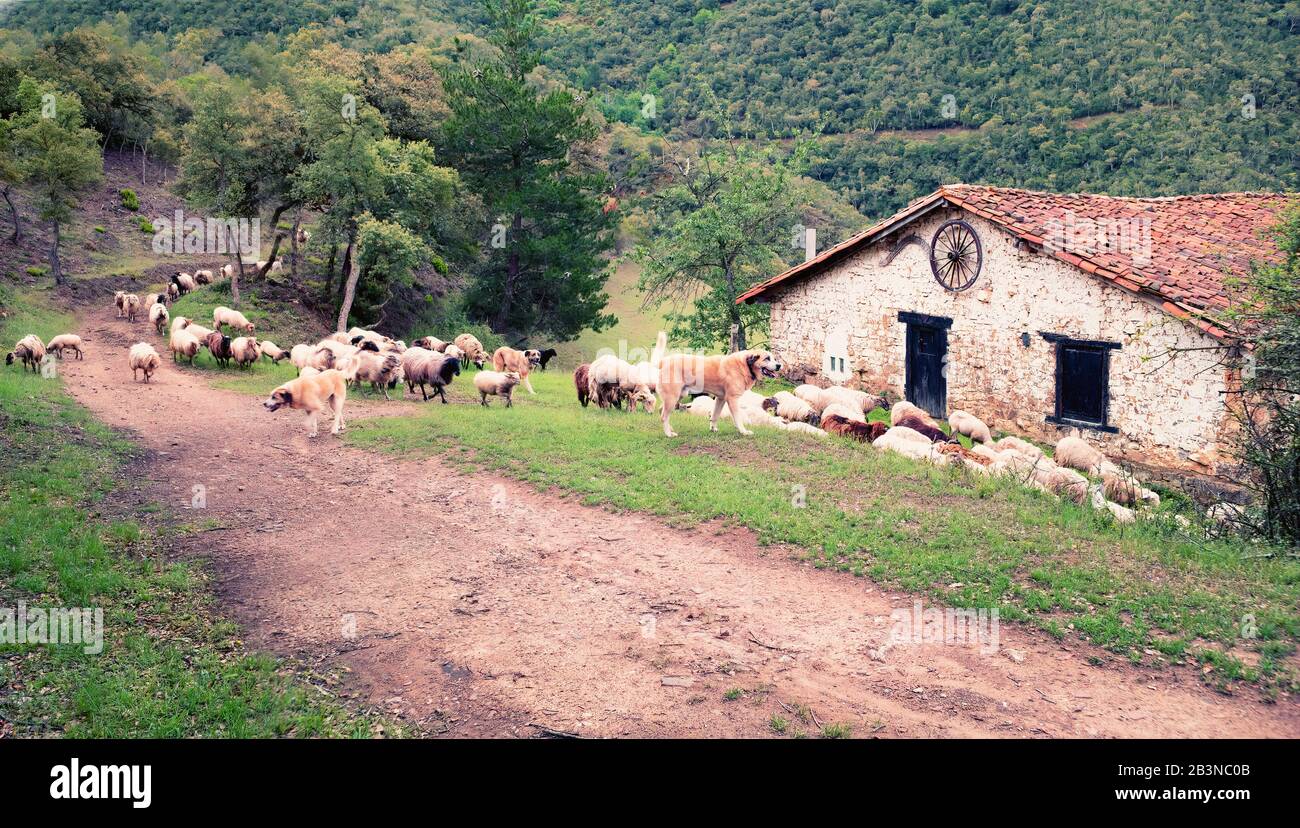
(129, 199)
(146, 226)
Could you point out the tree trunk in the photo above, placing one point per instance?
(293, 243)
(275, 249)
(345, 270)
(144, 164)
(13, 211)
(738, 341)
(238, 261)
(350, 290)
(55, 265)
(502, 320)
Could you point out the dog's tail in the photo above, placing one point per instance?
(661, 347)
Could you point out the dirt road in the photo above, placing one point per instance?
(475, 604)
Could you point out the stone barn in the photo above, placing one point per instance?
(1043, 314)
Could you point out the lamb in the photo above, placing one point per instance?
(903, 408)
(970, 425)
(607, 377)
(858, 430)
(158, 316)
(203, 277)
(119, 299)
(495, 383)
(245, 350)
(64, 342)
(272, 351)
(581, 382)
(791, 409)
(421, 366)
(915, 423)
(132, 306)
(472, 348)
(379, 369)
(219, 345)
(173, 292)
(848, 412)
(1074, 453)
(184, 344)
(30, 350)
(222, 315)
(142, 357)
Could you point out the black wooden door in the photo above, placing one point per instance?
(927, 388)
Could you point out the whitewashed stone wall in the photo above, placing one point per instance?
(1170, 413)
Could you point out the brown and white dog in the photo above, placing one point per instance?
(725, 378)
(313, 394)
(508, 360)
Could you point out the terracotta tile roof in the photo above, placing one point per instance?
(1183, 251)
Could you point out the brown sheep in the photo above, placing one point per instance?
(219, 345)
(903, 408)
(862, 432)
(581, 381)
(935, 433)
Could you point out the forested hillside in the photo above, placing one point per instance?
(874, 101)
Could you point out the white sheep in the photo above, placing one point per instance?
(142, 357)
(496, 384)
(184, 344)
(222, 315)
(1074, 453)
(158, 316)
(245, 350)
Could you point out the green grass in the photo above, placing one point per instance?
(279, 322)
(939, 532)
(170, 667)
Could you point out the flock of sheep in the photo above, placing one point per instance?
(431, 364)
(912, 432)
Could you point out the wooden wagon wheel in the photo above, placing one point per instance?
(956, 255)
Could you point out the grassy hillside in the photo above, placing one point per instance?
(637, 327)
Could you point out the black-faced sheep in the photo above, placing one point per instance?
(30, 350)
(422, 366)
(219, 345)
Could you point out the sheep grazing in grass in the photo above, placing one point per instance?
(184, 345)
(496, 384)
(844, 410)
(158, 316)
(791, 409)
(968, 424)
(1074, 453)
(472, 348)
(219, 345)
(143, 358)
(132, 306)
(935, 433)
(903, 408)
(245, 350)
(119, 299)
(203, 277)
(222, 315)
(272, 351)
(422, 367)
(30, 350)
(64, 342)
(198, 330)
